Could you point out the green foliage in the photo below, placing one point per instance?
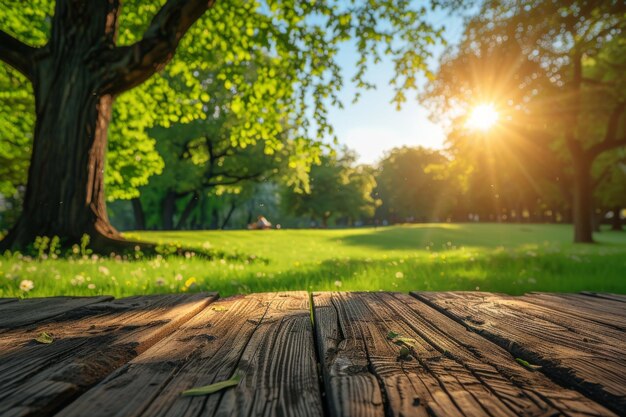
(611, 191)
(338, 188)
(275, 58)
(16, 129)
(555, 73)
(415, 183)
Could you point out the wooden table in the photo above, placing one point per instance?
(337, 354)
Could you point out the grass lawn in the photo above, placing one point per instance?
(509, 258)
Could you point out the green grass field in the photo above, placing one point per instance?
(507, 258)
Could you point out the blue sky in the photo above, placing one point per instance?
(373, 125)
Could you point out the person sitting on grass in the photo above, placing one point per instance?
(261, 224)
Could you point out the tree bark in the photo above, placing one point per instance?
(596, 221)
(231, 210)
(168, 208)
(138, 213)
(325, 221)
(583, 203)
(189, 208)
(65, 189)
(75, 78)
(215, 218)
(616, 224)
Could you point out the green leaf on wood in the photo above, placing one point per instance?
(526, 364)
(392, 335)
(405, 352)
(210, 389)
(44, 338)
(404, 341)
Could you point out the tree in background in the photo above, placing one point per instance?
(414, 185)
(557, 74)
(338, 188)
(201, 160)
(611, 191)
(81, 55)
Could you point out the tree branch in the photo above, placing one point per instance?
(603, 175)
(17, 54)
(129, 66)
(232, 179)
(591, 81)
(598, 148)
(610, 137)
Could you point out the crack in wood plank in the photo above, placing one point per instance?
(89, 344)
(584, 360)
(268, 338)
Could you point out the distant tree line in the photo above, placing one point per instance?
(408, 185)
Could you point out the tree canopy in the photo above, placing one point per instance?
(556, 73)
(162, 61)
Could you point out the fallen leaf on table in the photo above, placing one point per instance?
(44, 338)
(392, 335)
(404, 341)
(527, 365)
(210, 389)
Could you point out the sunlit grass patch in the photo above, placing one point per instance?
(488, 257)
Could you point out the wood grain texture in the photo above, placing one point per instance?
(352, 389)
(267, 338)
(525, 391)
(607, 296)
(32, 310)
(135, 356)
(599, 315)
(453, 372)
(89, 343)
(576, 353)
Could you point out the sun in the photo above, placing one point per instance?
(482, 117)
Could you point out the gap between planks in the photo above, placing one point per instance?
(91, 341)
(454, 372)
(351, 368)
(577, 353)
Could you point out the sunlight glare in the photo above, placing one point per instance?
(482, 117)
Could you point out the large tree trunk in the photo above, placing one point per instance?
(65, 190)
(215, 218)
(231, 210)
(616, 223)
(189, 208)
(583, 203)
(75, 78)
(168, 208)
(138, 213)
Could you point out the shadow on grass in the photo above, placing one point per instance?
(511, 272)
(438, 236)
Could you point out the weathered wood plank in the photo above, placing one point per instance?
(454, 373)
(280, 365)
(351, 388)
(268, 338)
(90, 342)
(607, 296)
(7, 300)
(32, 310)
(574, 356)
(580, 308)
(526, 392)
